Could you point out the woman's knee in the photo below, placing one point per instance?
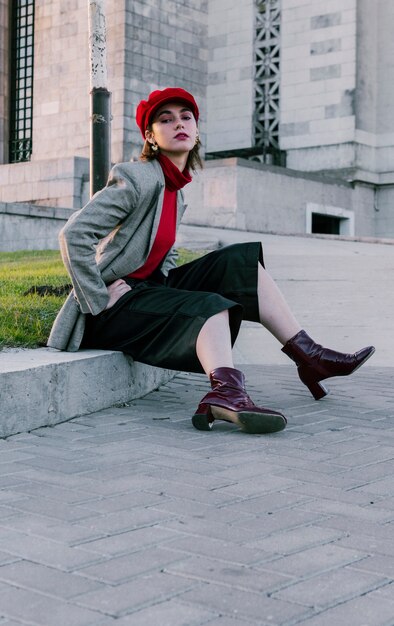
(217, 320)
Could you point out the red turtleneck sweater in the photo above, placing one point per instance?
(166, 232)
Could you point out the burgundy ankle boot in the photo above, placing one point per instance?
(316, 363)
(229, 401)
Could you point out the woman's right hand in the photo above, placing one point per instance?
(116, 290)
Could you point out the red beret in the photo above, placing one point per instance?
(156, 99)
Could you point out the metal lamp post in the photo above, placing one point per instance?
(100, 98)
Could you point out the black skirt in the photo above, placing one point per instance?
(158, 323)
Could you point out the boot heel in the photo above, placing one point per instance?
(308, 377)
(318, 390)
(202, 422)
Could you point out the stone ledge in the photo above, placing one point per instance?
(35, 210)
(44, 387)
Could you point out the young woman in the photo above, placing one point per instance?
(129, 295)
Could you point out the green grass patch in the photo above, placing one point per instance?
(26, 320)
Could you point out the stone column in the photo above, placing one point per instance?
(337, 88)
(318, 83)
(230, 89)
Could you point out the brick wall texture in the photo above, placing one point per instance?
(164, 46)
(148, 47)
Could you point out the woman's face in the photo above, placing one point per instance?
(174, 129)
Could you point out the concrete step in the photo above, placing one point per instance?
(44, 387)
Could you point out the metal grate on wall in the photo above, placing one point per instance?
(267, 81)
(21, 100)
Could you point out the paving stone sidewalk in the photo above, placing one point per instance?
(130, 517)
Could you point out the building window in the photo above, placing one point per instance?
(267, 81)
(21, 97)
(329, 220)
(326, 224)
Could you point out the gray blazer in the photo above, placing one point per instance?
(108, 239)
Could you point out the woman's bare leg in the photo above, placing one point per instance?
(228, 392)
(214, 350)
(213, 345)
(214, 340)
(275, 313)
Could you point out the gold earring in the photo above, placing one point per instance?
(154, 147)
(197, 141)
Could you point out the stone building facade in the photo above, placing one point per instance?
(291, 90)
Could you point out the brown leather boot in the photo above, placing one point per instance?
(229, 401)
(315, 363)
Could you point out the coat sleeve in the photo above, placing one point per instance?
(169, 261)
(84, 230)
